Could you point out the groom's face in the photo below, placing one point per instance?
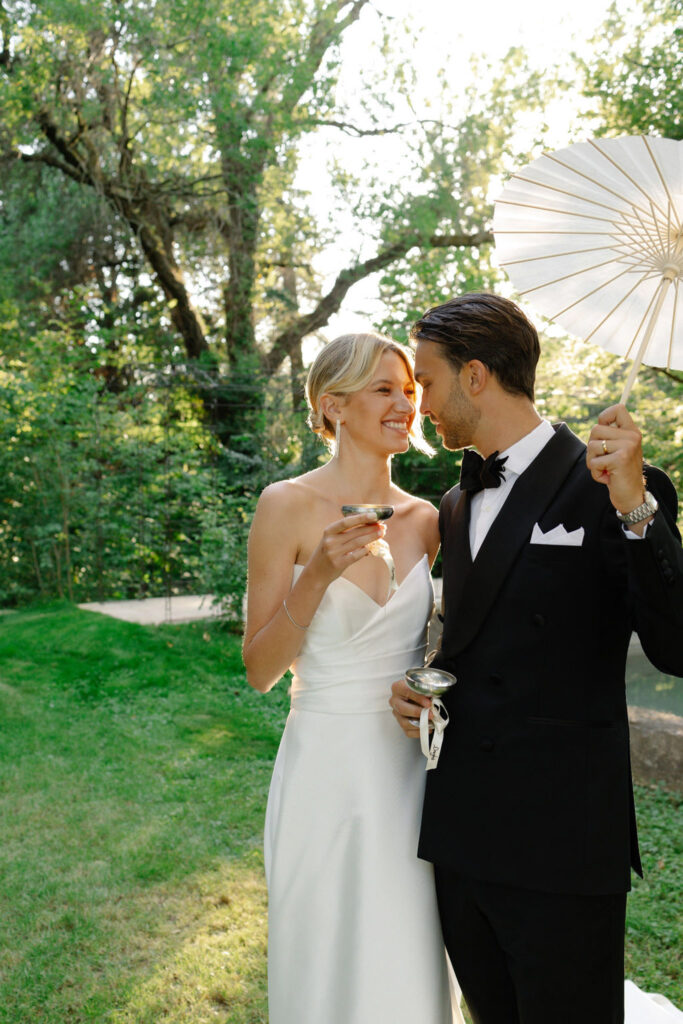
(443, 397)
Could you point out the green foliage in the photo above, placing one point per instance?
(53, 236)
(112, 483)
(102, 493)
(635, 74)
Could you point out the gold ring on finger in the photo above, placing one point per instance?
(604, 448)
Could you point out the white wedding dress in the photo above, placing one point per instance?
(354, 934)
(648, 1007)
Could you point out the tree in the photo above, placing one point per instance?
(187, 122)
(154, 214)
(635, 73)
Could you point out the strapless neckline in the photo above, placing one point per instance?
(378, 604)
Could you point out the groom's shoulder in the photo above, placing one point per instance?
(450, 498)
(446, 506)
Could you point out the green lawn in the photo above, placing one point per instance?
(134, 765)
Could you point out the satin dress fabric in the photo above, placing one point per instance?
(649, 1007)
(354, 933)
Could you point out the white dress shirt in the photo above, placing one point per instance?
(487, 503)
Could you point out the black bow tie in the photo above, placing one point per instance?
(477, 473)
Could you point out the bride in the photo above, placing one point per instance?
(354, 934)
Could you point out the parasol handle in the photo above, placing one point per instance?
(663, 289)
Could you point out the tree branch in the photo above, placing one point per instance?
(352, 129)
(76, 173)
(150, 230)
(668, 373)
(49, 130)
(321, 37)
(356, 132)
(330, 303)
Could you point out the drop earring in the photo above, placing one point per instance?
(337, 438)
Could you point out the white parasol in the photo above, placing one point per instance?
(592, 235)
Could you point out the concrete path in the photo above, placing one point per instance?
(154, 611)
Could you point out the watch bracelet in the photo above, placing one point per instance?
(643, 511)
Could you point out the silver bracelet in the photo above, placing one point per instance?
(293, 621)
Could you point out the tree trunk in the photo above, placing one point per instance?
(296, 362)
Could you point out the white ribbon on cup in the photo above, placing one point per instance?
(440, 720)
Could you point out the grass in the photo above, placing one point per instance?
(134, 766)
(654, 926)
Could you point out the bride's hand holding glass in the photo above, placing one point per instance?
(344, 542)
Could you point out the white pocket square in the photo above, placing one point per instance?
(558, 536)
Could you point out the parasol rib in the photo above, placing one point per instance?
(596, 290)
(565, 277)
(661, 178)
(549, 209)
(543, 231)
(671, 250)
(621, 170)
(642, 242)
(662, 234)
(650, 229)
(566, 192)
(673, 325)
(643, 235)
(588, 177)
(621, 301)
(663, 289)
(555, 255)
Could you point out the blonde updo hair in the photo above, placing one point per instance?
(348, 365)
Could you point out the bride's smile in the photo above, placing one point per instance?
(387, 403)
(400, 426)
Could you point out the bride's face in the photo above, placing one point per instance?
(382, 413)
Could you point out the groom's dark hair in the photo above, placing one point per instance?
(487, 327)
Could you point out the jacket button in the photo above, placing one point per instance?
(487, 744)
(538, 619)
(495, 678)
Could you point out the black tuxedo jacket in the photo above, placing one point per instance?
(533, 787)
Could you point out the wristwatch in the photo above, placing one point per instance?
(644, 511)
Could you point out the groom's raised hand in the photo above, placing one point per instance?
(614, 457)
(407, 705)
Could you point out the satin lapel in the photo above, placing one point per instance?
(511, 529)
(457, 552)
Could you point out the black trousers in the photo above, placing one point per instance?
(524, 957)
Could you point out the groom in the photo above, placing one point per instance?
(553, 552)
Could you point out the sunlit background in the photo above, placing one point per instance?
(452, 49)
